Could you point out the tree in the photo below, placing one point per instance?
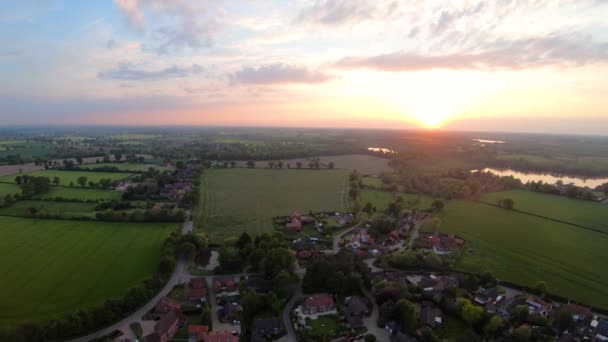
(271, 164)
(280, 164)
(250, 164)
(493, 325)
(79, 160)
(330, 165)
(562, 318)
(187, 250)
(437, 205)
(370, 338)
(541, 288)
(521, 334)
(82, 180)
(230, 259)
(299, 165)
(106, 159)
(18, 180)
(244, 241)
(507, 203)
(520, 313)
(56, 180)
(232, 164)
(117, 156)
(276, 260)
(405, 314)
(471, 313)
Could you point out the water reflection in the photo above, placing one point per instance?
(547, 178)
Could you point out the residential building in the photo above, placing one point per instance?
(166, 305)
(318, 304)
(268, 327)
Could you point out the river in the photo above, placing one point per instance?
(548, 178)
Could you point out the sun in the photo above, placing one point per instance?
(431, 113)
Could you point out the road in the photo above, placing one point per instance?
(180, 275)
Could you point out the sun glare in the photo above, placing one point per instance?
(431, 113)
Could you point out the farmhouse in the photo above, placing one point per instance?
(318, 304)
(295, 223)
(443, 244)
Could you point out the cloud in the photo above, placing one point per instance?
(336, 12)
(500, 54)
(133, 12)
(126, 72)
(279, 73)
(8, 55)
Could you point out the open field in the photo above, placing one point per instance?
(51, 267)
(127, 166)
(372, 181)
(238, 200)
(70, 176)
(62, 209)
(78, 193)
(584, 213)
(381, 199)
(363, 163)
(9, 189)
(525, 249)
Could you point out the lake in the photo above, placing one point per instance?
(381, 149)
(484, 141)
(547, 178)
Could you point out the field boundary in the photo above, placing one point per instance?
(543, 217)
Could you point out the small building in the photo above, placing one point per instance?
(429, 315)
(268, 327)
(580, 313)
(538, 306)
(220, 336)
(318, 304)
(486, 296)
(166, 327)
(166, 305)
(356, 310)
(196, 332)
(443, 244)
(294, 223)
(224, 285)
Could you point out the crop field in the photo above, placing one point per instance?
(62, 209)
(9, 189)
(381, 199)
(524, 249)
(77, 193)
(52, 267)
(127, 166)
(70, 176)
(238, 200)
(585, 213)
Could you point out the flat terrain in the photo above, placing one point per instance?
(51, 267)
(525, 249)
(585, 213)
(70, 176)
(127, 166)
(381, 199)
(61, 209)
(365, 164)
(78, 193)
(238, 200)
(9, 189)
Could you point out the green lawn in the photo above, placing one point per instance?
(585, 213)
(525, 249)
(70, 176)
(126, 166)
(79, 193)
(9, 189)
(238, 200)
(51, 267)
(381, 199)
(323, 327)
(62, 209)
(374, 182)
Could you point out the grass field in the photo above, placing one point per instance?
(127, 166)
(238, 200)
(78, 193)
(51, 267)
(381, 199)
(70, 176)
(372, 181)
(525, 249)
(62, 209)
(9, 189)
(585, 213)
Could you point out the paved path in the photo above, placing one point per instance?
(180, 275)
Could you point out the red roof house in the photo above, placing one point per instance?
(166, 305)
(318, 304)
(196, 332)
(295, 223)
(220, 336)
(224, 285)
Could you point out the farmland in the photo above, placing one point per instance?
(84, 194)
(61, 209)
(238, 200)
(68, 177)
(525, 249)
(127, 166)
(381, 199)
(585, 213)
(9, 189)
(364, 164)
(51, 267)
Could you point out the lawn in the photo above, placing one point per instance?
(9, 189)
(238, 200)
(78, 193)
(126, 166)
(62, 209)
(524, 249)
(323, 327)
(584, 213)
(70, 176)
(373, 182)
(382, 199)
(51, 267)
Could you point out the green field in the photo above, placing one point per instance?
(525, 249)
(364, 164)
(585, 213)
(126, 166)
(70, 176)
(381, 199)
(62, 209)
(78, 193)
(238, 200)
(9, 189)
(51, 267)
(373, 182)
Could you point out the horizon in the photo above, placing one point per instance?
(471, 66)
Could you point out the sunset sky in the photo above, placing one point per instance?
(508, 65)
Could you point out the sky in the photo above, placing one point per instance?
(501, 65)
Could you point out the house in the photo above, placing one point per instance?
(356, 310)
(360, 239)
(437, 284)
(443, 244)
(318, 304)
(429, 315)
(600, 329)
(196, 332)
(294, 223)
(538, 306)
(197, 290)
(166, 305)
(268, 327)
(579, 312)
(225, 286)
(486, 296)
(229, 312)
(220, 336)
(344, 219)
(166, 327)
(307, 220)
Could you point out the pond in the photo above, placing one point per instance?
(381, 149)
(548, 178)
(484, 141)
